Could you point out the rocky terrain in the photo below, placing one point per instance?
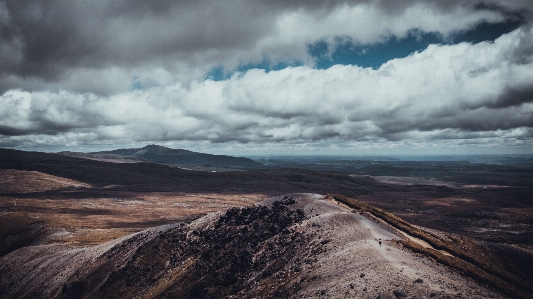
(295, 246)
(74, 226)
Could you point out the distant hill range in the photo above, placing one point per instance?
(165, 155)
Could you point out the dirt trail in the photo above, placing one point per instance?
(353, 265)
(376, 231)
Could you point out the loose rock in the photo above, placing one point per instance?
(399, 293)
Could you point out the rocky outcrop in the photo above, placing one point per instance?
(241, 251)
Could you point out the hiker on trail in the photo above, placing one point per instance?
(379, 242)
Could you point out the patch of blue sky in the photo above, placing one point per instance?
(140, 84)
(345, 51)
(219, 73)
(136, 83)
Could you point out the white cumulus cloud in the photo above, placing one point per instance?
(445, 92)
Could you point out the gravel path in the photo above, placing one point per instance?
(355, 266)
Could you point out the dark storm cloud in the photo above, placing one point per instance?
(476, 120)
(45, 39)
(513, 96)
(10, 131)
(47, 36)
(52, 35)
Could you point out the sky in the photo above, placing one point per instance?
(268, 77)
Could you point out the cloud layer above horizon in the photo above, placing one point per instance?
(123, 72)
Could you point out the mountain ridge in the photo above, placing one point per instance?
(288, 246)
(179, 157)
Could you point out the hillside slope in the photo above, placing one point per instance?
(286, 247)
(158, 177)
(165, 155)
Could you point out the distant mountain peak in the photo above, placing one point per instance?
(151, 146)
(161, 154)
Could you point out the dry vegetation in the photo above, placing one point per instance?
(21, 182)
(38, 208)
(92, 221)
